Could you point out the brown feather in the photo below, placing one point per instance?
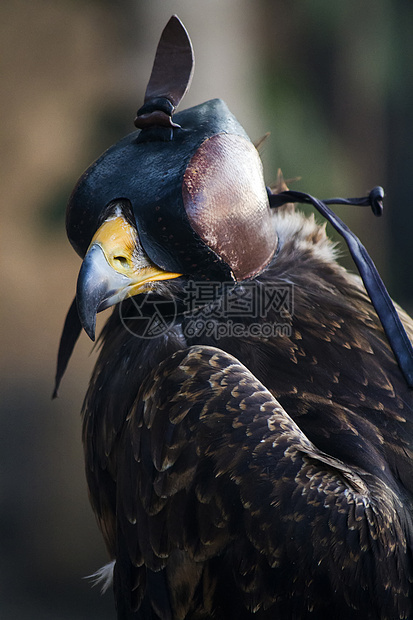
(265, 476)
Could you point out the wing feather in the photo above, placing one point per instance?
(209, 464)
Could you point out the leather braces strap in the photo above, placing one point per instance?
(380, 298)
(69, 337)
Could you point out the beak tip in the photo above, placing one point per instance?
(90, 329)
(91, 288)
(87, 318)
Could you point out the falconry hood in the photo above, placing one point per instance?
(195, 188)
(194, 180)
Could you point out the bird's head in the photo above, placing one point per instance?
(183, 195)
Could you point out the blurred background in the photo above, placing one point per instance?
(333, 82)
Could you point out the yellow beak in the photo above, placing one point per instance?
(115, 267)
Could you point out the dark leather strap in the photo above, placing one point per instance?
(380, 298)
(70, 334)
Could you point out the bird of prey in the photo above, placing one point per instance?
(248, 428)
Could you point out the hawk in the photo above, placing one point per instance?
(248, 426)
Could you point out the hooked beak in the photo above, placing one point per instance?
(115, 267)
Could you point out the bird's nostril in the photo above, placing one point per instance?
(122, 260)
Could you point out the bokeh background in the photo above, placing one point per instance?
(332, 81)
